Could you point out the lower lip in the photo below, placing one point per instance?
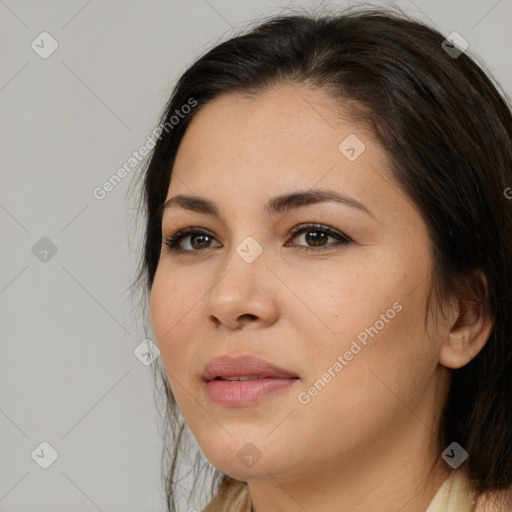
(244, 392)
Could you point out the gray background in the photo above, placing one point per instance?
(68, 375)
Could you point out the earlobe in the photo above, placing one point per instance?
(467, 337)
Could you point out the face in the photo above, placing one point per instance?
(332, 291)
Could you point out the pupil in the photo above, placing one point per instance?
(194, 239)
(317, 238)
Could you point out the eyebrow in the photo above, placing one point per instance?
(276, 205)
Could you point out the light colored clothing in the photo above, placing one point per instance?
(454, 495)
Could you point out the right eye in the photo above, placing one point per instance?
(197, 238)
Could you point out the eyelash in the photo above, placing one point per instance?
(173, 240)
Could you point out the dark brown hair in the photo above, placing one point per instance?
(447, 129)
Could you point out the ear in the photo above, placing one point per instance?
(472, 326)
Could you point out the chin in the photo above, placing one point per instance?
(247, 461)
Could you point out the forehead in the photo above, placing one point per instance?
(284, 139)
(288, 128)
(286, 113)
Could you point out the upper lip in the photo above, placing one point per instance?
(235, 366)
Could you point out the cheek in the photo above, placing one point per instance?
(334, 311)
(174, 324)
(171, 313)
(373, 389)
(371, 337)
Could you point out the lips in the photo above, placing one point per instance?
(243, 381)
(243, 368)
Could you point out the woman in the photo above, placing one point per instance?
(329, 261)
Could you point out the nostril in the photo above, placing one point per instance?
(248, 316)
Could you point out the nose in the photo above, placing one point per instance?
(243, 294)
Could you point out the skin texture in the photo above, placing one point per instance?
(365, 441)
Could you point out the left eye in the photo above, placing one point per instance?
(318, 235)
(315, 234)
